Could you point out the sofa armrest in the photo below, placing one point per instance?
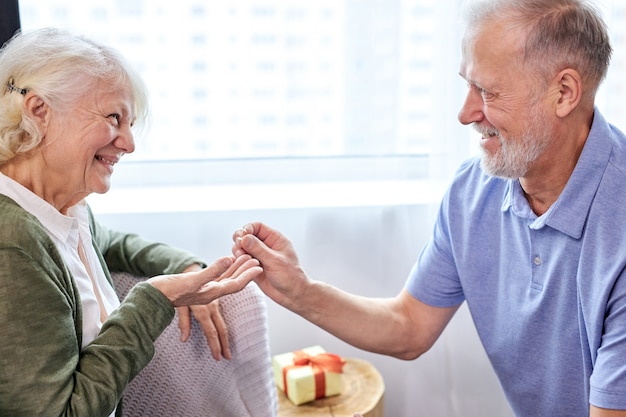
(183, 379)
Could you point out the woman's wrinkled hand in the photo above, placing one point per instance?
(209, 317)
(224, 276)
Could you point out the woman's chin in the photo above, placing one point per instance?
(101, 188)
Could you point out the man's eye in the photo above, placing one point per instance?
(486, 95)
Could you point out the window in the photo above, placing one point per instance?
(371, 85)
(276, 78)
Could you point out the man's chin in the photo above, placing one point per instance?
(495, 167)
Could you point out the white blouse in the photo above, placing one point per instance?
(72, 236)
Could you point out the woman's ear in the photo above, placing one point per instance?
(37, 110)
(570, 90)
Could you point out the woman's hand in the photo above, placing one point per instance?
(225, 276)
(210, 318)
(213, 325)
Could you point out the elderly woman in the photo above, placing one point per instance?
(67, 345)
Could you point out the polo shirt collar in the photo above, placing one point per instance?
(569, 213)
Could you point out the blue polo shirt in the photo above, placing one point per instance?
(547, 294)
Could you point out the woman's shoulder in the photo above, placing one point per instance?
(18, 226)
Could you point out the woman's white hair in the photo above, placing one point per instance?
(59, 67)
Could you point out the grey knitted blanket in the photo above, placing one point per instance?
(183, 380)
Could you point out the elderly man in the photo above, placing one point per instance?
(532, 235)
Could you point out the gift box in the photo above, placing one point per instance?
(308, 374)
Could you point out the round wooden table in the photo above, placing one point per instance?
(363, 391)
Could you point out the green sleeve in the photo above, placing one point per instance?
(130, 253)
(42, 370)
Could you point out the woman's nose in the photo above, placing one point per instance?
(125, 140)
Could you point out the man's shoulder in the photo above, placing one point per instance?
(471, 179)
(614, 175)
(617, 160)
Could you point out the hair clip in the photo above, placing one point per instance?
(11, 87)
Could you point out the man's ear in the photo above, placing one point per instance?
(37, 110)
(570, 91)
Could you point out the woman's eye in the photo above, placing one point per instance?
(115, 117)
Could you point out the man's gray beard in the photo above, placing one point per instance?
(515, 157)
(512, 161)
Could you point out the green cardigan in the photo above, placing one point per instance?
(43, 371)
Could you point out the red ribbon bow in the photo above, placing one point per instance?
(320, 363)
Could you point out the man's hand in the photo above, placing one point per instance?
(282, 278)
